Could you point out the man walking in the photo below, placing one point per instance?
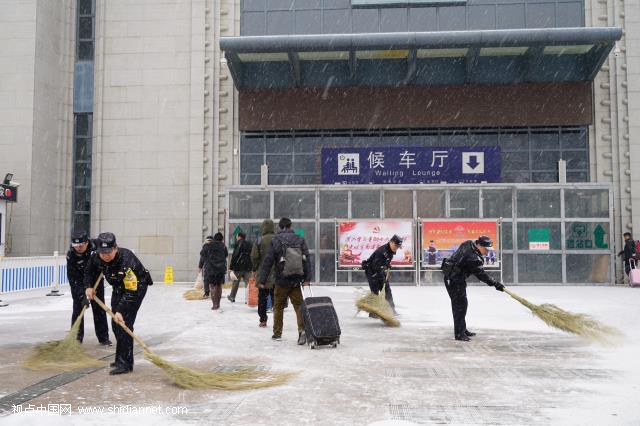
(213, 258)
(77, 260)
(467, 260)
(258, 255)
(129, 280)
(290, 254)
(240, 264)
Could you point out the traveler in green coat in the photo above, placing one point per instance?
(258, 254)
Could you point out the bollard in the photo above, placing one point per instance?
(56, 278)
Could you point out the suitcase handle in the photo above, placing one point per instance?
(632, 263)
(310, 291)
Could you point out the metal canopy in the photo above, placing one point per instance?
(419, 58)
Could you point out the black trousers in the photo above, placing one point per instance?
(263, 295)
(457, 290)
(376, 285)
(99, 316)
(124, 344)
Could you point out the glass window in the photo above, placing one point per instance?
(308, 231)
(365, 204)
(249, 179)
(308, 144)
(577, 176)
(328, 236)
(85, 7)
(328, 267)
(280, 179)
(252, 230)
(425, 139)
(516, 176)
(464, 203)
(306, 180)
(514, 141)
(431, 204)
(455, 139)
(576, 159)
(507, 235)
(334, 204)
(294, 204)
(539, 268)
(587, 236)
(507, 268)
(85, 50)
(394, 140)
(83, 149)
(398, 204)
(82, 124)
(588, 268)
(573, 139)
(515, 160)
(497, 203)
(530, 232)
(81, 221)
(483, 139)
(85, 29)
(279, 145)
(251, 163)
(544, 140)
(586, 203)
(83, 174)
(252, 145)
(82, 200)
(538, 203)
(542, 177)
(249, 205)
(306, 163)
(280, 163)
(545, 160)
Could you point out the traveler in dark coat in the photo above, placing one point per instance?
(628, 253)
(377, 267)
(286, 245)
(129, 280)
(77, 260)
(467, 260)
(213, 265)
(258, 254)
(240, 264)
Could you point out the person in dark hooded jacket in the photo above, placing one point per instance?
(213, 265)
(286, 244)
(467, 260)
(258, 254)
(240, 264)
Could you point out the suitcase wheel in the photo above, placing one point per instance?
(335, 344)
(313, 345)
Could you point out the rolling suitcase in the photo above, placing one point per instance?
(634, 274)
(321, 325)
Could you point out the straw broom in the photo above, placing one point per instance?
(186, 378)
(63, 355)
(579, 324)
(196, 293)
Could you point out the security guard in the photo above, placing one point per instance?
(129, 280)
(377, 266)
(467, 260)
(77, 259)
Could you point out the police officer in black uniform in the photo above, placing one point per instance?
(467, 260)
(376, 269)
(129, 280)
(77, 259)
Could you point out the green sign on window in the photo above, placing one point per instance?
(538, 238)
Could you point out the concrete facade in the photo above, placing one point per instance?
(166, 139)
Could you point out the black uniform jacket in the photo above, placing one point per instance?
(125, 273)
(378, 264)
(77, 262)
(466, 261)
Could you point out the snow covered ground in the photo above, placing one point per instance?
(515, 371)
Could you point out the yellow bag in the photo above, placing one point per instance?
(130, 281)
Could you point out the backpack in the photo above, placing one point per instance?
(637, 247)
(292, 259)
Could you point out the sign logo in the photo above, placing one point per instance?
(472, 162)
(348, 164)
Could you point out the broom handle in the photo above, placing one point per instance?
(95, 285)
(124, 326)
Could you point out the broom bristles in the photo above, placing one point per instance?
(241, 379)
(193, 295)
(62, 355)
(579, 324)
(378, 305)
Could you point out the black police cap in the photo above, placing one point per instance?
(484, 241)
(396, 240)
(79, 237)
(106, 242)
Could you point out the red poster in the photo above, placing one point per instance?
(357, 240)
(440, 239)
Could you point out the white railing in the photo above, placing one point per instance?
(27, 273)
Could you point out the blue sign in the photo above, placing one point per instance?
(384, 165)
